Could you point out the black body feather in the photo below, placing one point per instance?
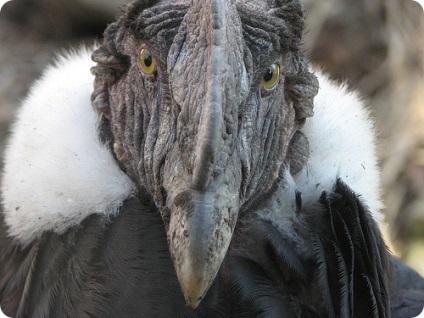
(343, 268)
(117, 267)
(121, 267)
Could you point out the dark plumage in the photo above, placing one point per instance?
(122, 267)
(103, 268)
(203, 111)
(341, 268)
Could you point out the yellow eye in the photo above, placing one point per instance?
(271, 77)
(147, 62)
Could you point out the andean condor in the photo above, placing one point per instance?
(198, 160)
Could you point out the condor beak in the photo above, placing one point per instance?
(201, 228)
(202, 173)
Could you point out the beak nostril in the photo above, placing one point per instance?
(201, 179)
(182, 198)
(204, 163)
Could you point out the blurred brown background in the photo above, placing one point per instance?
(377, 46)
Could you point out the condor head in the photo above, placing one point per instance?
(202, 100)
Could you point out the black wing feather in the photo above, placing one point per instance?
(342, 269)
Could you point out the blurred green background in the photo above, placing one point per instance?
(376, 46)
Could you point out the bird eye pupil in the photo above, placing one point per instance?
(148, 60)
(268, 74)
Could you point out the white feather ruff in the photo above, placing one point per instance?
(342, 145)
(57, 172)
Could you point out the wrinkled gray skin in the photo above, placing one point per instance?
(201, 134)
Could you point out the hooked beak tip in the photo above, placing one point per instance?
(196, 274)
(193, 290)
(198, 246)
